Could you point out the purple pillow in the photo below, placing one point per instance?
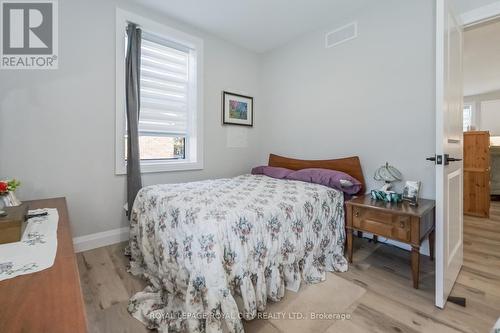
(273, 172)
(332, 178)
(258, 170)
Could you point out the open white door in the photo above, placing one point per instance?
(449, 150)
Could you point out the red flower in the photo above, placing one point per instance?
(4, 187)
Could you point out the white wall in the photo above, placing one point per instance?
(57, 127)
(482, 58)
(477, 101)
(372, 96)
(490, 117)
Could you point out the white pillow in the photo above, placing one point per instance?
(345, 183)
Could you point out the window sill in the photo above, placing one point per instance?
(155, 167)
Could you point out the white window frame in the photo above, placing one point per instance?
(472, 115)
(194, 142)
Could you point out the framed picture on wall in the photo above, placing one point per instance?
(237, 109)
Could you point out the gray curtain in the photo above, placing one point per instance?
(132, 82)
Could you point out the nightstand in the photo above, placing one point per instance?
(400, 222)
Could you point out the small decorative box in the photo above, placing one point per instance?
(12, 225)
(387, 196)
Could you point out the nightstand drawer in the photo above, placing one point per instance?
(361, 214)
(376, 227)
(402, 228)
(382, 223)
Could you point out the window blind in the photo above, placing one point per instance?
(164, 87)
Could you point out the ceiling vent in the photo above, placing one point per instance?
(342, 34)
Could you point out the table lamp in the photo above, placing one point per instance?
(388, 174)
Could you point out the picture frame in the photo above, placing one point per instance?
(237, 109)
(411, 192)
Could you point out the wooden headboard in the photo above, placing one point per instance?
(349, 165)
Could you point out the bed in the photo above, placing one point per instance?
(215, 252)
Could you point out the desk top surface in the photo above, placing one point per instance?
(366, 201)
(50, 300)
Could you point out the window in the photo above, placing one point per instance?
(467, 119)
(170, 119)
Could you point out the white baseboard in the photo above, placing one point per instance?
(424, 247)
(100, 239)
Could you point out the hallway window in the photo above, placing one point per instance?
(467, 117)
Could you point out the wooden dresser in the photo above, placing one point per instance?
(49, 301)
(477, 173)
(401, 222)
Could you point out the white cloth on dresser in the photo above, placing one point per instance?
(37, 249)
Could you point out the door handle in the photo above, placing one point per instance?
(437, 159)
(448, 159)
(443, 159)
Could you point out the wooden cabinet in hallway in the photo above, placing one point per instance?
(477, 173)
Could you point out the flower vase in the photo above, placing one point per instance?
(10, 199)
(2, 206)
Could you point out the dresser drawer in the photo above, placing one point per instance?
(382, 223)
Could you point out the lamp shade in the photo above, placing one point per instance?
(387, 173)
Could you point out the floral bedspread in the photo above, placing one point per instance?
(215, 251)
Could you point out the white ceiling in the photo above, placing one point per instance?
(258, 25)
(482, 59)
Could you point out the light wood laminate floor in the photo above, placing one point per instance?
(390, 304)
